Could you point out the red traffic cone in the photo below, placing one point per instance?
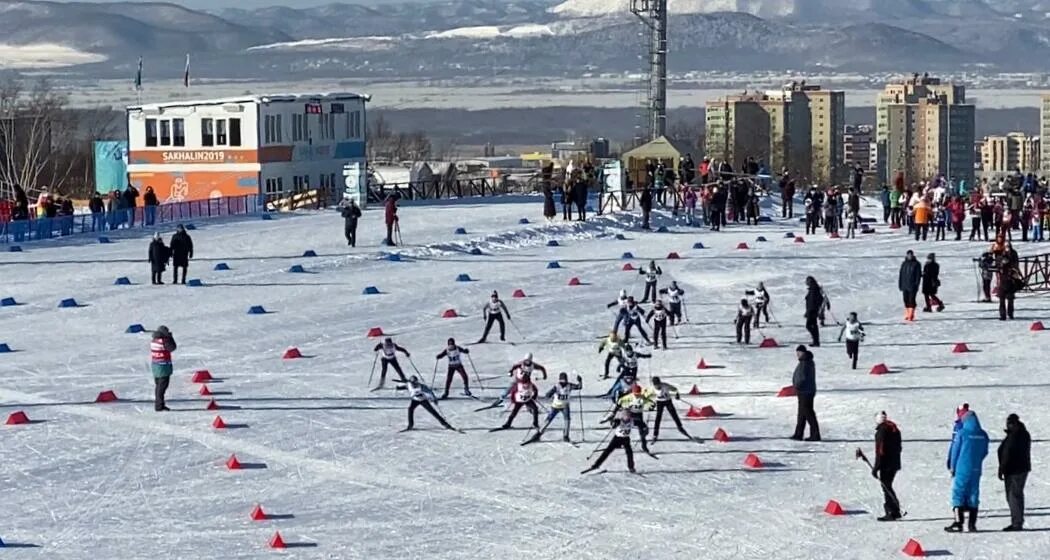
(276, 541)
(201, 376)
(292, 353)
(219, 423)
(106, 396)
(742, 246)
(449, 314)
(879, 369)
(673, 256)
(695, 391)
(693, 412)
(800, 239)
(258, 514)
(960, 348)
(721, 436)
(769, 343)
(518, 294)
(233, 464)
(702, 364)
(628, 267)
(707, 412)
(788, 391)
(205, 391)
(375, 332)
(212, 405)
(914, 549)
(753, 461)
(1037, 326)
(834, 508)
(16, 418)
(574, 281)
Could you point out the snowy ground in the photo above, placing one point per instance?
(120, 481)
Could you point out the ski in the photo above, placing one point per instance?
(592, 469)
(532, 439)
(499, 429)
(489, 406)
(403, 431)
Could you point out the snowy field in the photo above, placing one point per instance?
(118, 480)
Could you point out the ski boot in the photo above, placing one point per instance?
(971, 525)
(467, 393)
(957, 524)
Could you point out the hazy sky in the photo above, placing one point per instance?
(201, 4)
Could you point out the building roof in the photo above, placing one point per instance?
(262, 98)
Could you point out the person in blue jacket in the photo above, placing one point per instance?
(967, 453)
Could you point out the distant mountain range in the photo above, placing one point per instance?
(535, 37)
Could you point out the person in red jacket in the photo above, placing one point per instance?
(391, 218)
(957, 209)
(160, 348)
(523, 393)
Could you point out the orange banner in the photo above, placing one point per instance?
(175, 157)
(178, 187)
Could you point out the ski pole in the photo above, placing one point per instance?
(515, 325)
(477, 376)
(885, 489)
(600, 443)
(371, 375)
(434, 375)
(579, 396)
(413, 364)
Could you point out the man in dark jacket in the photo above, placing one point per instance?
(181, 253)
(645, 200)
(814, 305)
(931, 281)
(908, 282)
(351, 213)
(150, 202)
(98, 212)
(390, 217)
(887, 463)
(1010, 283)
(131, 196)
(1015, 462)
(804, 380)
(158, 258)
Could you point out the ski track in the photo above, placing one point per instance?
(121, 481)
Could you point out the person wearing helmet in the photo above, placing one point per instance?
(652, 277)
(454, 353)
(614, 346)
(522, 394)
(635, 318)
(664, 392)
(637, 402)
(421, 395)
(675, 302)
(160, 348)
(621, 312)
(388, 358)
(493, 312)
(658, 316)
(560, 395)
(621, 439)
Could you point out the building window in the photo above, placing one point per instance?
(151, 133)
(298, 128)
(178, 128)
(235, 132)
(165, 133)
(220, 132)
(278, 125)
(207, 132)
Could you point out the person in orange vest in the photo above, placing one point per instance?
(923, 214)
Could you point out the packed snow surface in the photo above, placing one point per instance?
(119, 480)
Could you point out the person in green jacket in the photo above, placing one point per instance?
(160, 349)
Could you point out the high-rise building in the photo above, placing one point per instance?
(798, 128)
(925, 128)
(858, 146)
(1006, 154)
(1044, 133)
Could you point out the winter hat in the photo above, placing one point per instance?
(800, 348)
(1013, 419)
(880, 417)
(961, 410)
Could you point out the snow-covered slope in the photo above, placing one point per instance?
(121, 481)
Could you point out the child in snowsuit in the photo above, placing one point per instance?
(854, 331)
(658, 315)
(560, 394)
(665, 392)
(455, 365)
(389, 359)
(621, 439)
(652, 275)
(743, 321)
(421, 395)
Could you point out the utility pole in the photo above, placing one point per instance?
(653, 14)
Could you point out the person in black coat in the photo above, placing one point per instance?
(1015, 462)
(814, 306)
(804, 380)
(1010, 283)
(150, 203)
(181, 253)
(645, 200)
(549, 208)
(908, 282)
(131, 196)
(887, 463)
(158, 258)
(98, 212)
(931, 281)
(579, 197)
(351, 214)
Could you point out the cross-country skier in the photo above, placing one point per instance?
(493, 312)
(965, 458)
(559, 394)
(853, 329)
(744, 312)
(455, 364)
(422, 396)
(635, 318)
(637, 402)
(520, 371)
(931, 282)
(658, 315)
(908, 281)
(665, 392)
(160, 349)
(621, 439)
(762, 301)
(621, 314)
(652, 275)
(523, 393)
(887, 464)
(628, 368)
(389, 359)
(614, 349)
(814, 309)
(675, 302)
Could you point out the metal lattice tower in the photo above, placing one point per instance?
(653, 14)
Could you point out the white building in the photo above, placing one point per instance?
(263, 145)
